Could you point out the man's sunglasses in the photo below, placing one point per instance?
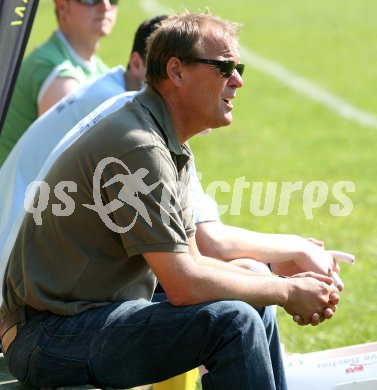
(96, 2)
(226, 68)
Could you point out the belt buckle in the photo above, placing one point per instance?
(9, 337)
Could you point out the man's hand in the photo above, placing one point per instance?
(312, 298)
(313, 258)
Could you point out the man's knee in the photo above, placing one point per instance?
(237, 316)
(268, 317)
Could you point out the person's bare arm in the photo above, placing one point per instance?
(56, 91)
(294, 253)
(243, 266)
(188, 280)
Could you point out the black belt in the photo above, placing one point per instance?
(15, 317)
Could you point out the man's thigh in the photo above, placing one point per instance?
(121, 344)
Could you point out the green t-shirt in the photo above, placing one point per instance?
(53, 59)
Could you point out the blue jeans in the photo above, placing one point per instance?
(125, 344)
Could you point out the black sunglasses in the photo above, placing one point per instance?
(226, 68)
(96, 2)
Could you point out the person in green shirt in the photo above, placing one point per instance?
(58, 66)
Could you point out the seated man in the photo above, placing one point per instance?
(59, 66)
(31, 151)
(27, 157)
(77, 292)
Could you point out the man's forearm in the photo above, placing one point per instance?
(227, 266)
(189, 278)
(229, 242)
(226, 243)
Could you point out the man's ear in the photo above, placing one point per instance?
(60, 6)
(136, 64)
(174, 70)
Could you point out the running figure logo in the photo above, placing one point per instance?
(133, 184)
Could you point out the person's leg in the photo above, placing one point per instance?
(269, 319)
(133, 343)
(185, 381)
(272, 334)
(248, 357)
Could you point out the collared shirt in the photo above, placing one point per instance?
(31, 151)
(54, 59)
(119, 191)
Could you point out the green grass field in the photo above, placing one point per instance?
(282, 135)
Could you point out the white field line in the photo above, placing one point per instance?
(309, 89)
(153, 7)
(290, 79)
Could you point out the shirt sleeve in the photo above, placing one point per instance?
(150, 202)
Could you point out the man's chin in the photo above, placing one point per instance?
(228, 121)
(106, 29)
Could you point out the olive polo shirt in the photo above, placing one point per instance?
(117, 192)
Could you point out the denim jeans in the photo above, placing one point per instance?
(125, 344)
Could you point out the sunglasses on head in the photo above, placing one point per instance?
(226, 68)
(96, 2)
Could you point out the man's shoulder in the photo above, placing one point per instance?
(124, 130)
(80, 102)
(51, 52)
(107, 85)
(129, 121)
